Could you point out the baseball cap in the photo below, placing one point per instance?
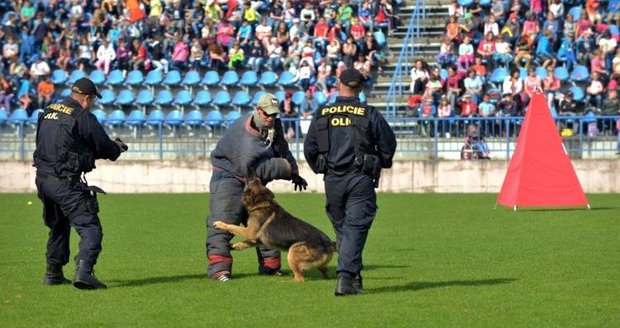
(85, 86)
(269, 103)
(352, 78)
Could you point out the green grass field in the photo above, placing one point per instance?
(431, 261)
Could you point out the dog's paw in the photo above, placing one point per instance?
(219, 225)
(239, 246)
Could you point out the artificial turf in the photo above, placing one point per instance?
(432, 260)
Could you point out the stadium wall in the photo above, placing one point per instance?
(596, 176)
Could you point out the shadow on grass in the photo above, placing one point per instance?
(162, 280)
(413, 286)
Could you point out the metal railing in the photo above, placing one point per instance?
(418, 138)
(404, 57)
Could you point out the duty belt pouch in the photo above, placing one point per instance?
(370, 165)
(92, 205)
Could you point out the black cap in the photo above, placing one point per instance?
(352, 78)
(85, 86)
(569, 94)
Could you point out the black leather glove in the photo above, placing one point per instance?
(123, 146)
(299, 182)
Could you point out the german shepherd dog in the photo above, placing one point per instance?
(269, 225)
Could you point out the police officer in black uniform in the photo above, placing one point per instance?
(69, 140)
(350, 143)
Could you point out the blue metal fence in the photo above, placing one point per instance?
(432, 138)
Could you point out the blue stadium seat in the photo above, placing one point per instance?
(76, 75)
(107, 97)
(174, 118)
(154, 78)
(380, 39)
(136, 118)
(115, 118)
(298, 97)
(485, 3)
(191, 78)
(614, 30)
(465, 3)
(232, 116)
(362, 97)
(164, 97)
(182, 98)
(125, 97)
(230, 79)
(214, 118)
(4, 117)
(194, 118)
(332, 97)
(249, 78)
(211, 78)
(241, 98)
(115, 77)
(134, 78)
(575, 12)
(498, 75)
(257, 96)
(443, 74)
(522, 73)
(580, 74)
(65, 92)
(59, 76)
(561, 73)
(541, 72)
(203, 98)
(100, 115)
(578, 94)
(268, 79)
(97, 76)
(320, 98)
(222, 98)
(173, 78)
(18, 116)
(156, 117)
(280, 95)
(34, 117)
(286, 79)
(145, 97)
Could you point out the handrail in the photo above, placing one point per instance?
(406, 52)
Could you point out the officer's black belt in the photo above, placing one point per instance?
(351, 169)
(45, 176)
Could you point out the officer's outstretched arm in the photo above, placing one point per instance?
(96, 137)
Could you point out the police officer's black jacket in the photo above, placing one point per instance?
(69, 139)
(353, 129)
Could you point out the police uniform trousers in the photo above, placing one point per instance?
(225, 205)
(67, 204)
(351, 207)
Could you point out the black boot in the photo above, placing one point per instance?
(357, 283)
(347, 286)
(54, 275)
(85, 278)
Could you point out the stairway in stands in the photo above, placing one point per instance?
(426, 47)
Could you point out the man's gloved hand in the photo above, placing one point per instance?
(123, 146)
(299, 182)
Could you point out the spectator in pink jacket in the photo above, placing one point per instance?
(180, 53)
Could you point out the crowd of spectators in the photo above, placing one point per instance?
(314, 39)
(529, 40)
